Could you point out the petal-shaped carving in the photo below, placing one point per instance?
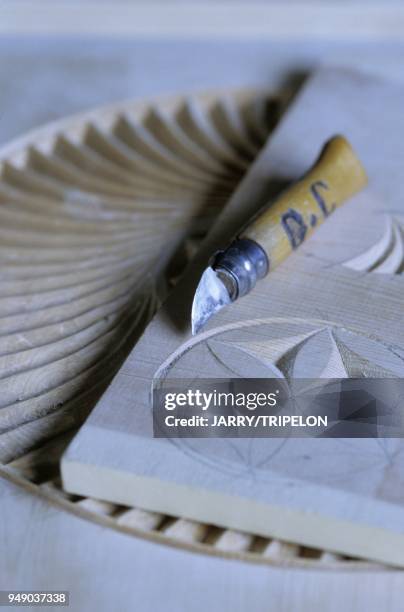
(279, 352)
(357, 366)
(392, 264)
(384, 257)
(280, 356)
(335, 367)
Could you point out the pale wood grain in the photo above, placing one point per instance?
(303, 21)
(105, 570)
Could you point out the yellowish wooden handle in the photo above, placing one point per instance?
(286, 223)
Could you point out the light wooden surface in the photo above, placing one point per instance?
(61, 75)
(313, 316)
(279, 20)
(47, 548)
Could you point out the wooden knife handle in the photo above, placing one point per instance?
(283, 225)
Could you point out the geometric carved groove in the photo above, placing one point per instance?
(387, 255)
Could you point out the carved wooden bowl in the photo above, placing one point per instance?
(99, 213)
